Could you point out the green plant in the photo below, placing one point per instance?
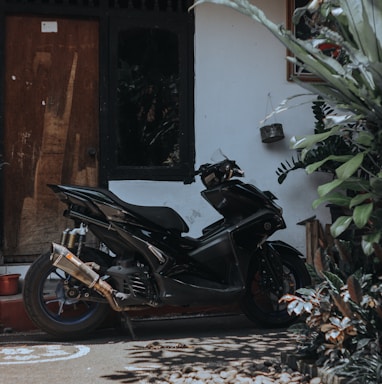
(321, 150)
(344, 310)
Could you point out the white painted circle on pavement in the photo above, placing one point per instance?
(32, 354)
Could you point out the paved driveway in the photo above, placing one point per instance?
(215, 349)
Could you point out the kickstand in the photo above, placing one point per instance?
(127, 325)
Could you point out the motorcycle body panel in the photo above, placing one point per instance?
(148, 260)
(235, 200)
(185, 271)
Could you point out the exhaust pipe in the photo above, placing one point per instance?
(62, 258)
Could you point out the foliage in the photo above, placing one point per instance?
(147, 101)
(321, 152)
(343, 327)
(344, 310)
(148, 113)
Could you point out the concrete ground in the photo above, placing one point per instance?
(201, 350)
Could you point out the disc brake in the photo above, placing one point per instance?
(272, 273)
(62, 297)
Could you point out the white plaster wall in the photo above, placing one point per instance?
(237, 64)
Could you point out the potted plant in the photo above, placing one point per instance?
(9, 284)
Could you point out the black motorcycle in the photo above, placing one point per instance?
(144, 258)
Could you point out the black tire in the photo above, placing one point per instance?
(49, 308)
(263, 307)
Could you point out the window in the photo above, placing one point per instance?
(303, 32)
(147, 98)
(146, 83)
(151, 93)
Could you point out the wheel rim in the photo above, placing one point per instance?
(55, 302)
(268, 302)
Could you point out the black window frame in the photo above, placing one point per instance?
(181, 23)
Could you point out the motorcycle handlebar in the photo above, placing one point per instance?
(214, 174)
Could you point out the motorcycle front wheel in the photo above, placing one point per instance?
(261, 305)
(49, 306)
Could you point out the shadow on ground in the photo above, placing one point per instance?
(210, 346)
(166, 347)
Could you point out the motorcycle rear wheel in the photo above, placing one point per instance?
(260, 305)
(51, 309)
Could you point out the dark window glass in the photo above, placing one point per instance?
(148, 98)
(150, 131)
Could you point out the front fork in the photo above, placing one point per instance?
(271, 269)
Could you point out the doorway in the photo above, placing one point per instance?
(51, 114)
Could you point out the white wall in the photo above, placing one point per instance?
(237, 64)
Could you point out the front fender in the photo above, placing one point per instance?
(282, 247)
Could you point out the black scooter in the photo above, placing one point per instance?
(145, 260)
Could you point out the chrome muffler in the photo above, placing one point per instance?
(62, 258)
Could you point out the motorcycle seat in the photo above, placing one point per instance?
(164, 217)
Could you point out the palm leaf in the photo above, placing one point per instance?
(365, 24)
(287, 167)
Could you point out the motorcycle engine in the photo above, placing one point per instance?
(133, 281)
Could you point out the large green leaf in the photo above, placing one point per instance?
(315, 166)
(361, 214)
(353, 184)
(340, 225)
(324, 189)
(356, 184)
(299, 142)
(346, 170)
(360, 198)
(336, 198)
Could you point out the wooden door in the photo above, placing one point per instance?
(51, 124)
